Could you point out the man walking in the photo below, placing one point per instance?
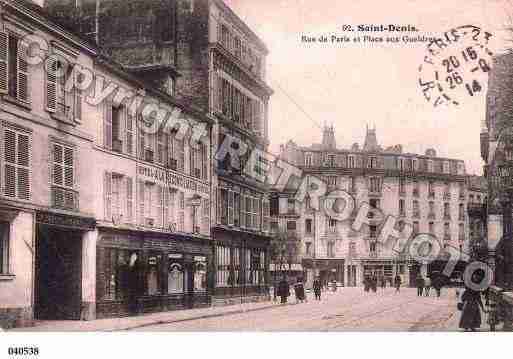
(283, 290)
(317, 288)
(397, 282)
(420, 285)
(427, 286)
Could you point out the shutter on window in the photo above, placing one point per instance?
(77, 96)
(58, 171)
(243, 211)
(129, 126)
(129, 199)
(107, 192)
(141, 141)
(51, 85)
(23, 169)
(68, 168)
(23, 74)
(141, 200)
(107, 125)
(10, 160)
(4, 59)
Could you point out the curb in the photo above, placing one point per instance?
(205, 316)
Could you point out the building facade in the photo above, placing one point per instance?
(428, 192)
(100, 215)
(216, 64)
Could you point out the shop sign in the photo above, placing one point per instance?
(63, 220)
(170, 179)
(200, 258)
(175, 255)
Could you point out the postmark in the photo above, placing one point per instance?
(455, 66)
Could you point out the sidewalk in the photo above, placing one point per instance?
(116, 324)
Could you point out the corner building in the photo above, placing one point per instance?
(215, 63)
(428, 192)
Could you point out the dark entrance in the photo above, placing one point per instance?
(58, 289)
(414, 272)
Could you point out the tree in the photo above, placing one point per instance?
(284, 250)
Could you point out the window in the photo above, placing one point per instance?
(415, 227)
(372, 162)
(447, 213)
(181, 213)
(291, 205)
(200, 274)
(175, 275)
(432, 209)
(430, 166)
(447, 190)
(332, 180)
(266, 215)
(350, 162)
(447, 232)
(331, 160)
(416, 209)
(375, 185)
(431, 227)
(330, 249)
(121, 273)
(431, 189)
(445, 167)
(308, 248)
(401, 164)
(415, 188)
(352, 184)
(308, 225)
(402, 185)
(461, 212)
(461, 232)
(16, 174)
(373, 231)
(308, 160)
(14, 72)
(154, 274)
(257, 215)
(223, 267)
(372, 248)
(205, 216)
(4, 247)
(63, 166)
(402, 210)
(291, 225)
(177, 154)
(415, 164)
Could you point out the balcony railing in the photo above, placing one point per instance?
(65, 198)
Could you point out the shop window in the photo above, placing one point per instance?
(16, 174)
(223, 266)
(120, 273)
(330, 250)
(308, 225)
(175, 276)
(4, 247)
(200, 274)
(154, 275)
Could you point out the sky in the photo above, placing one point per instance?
(350, 85)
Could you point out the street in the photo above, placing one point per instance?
(349, 309)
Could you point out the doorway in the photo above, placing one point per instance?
(58, 288)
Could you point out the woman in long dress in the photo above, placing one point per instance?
(471, 313)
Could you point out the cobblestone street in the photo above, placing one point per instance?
(349, 309)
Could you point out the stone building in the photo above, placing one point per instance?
(100, 216)
(428, 192)
(208, 58)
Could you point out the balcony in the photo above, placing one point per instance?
(64, 198)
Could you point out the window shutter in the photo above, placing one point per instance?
(51, 85)
(129, 127)
(107, 191)
(141, 202)
(230, 207)
(23, 73)
(129, 200)
(58, 170)
(69, 178)
(4, 62)
(107, 122)
(77, 96)
(23, 167)
(166, 195)
(141, 141)
(243, 211)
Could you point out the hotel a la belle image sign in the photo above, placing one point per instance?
(171, 179)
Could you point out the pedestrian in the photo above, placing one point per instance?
(299, 291)
(397, 282)
(317, 288)
(420, 285)
(438, 283)
(375, 283)
(383, 283)
(366, 284)
(427, 286)
(470, 306)
(133, 283)
(283, 290)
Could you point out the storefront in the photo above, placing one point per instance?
(328, 270)
(59, 266)
(241, 262)
(142, 272)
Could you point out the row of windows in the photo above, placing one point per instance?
(158, 206)
(432, 210)
(240, 49)
(237, 266)
(386, 162)
(234, 103)
(242, 211)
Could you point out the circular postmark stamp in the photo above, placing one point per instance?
(455, 66)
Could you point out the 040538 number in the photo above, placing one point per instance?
(22, 351)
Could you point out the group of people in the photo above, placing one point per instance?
(283, 290)
(373, 281)
(424, 285)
